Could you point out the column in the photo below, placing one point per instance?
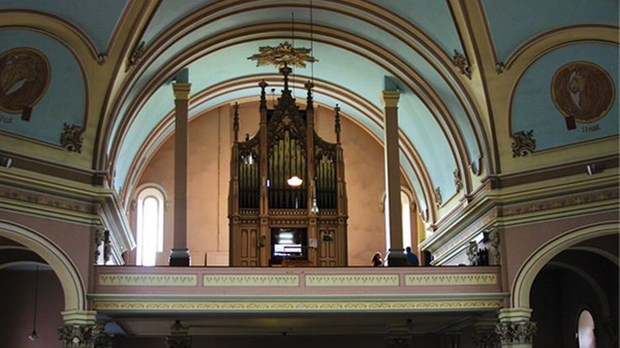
(484, 333)
(394, 225)
(79, 330)
(179, 256)
(515, 330)
(179, 337)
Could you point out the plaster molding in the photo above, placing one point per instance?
(353, 280)
(250, 280)
(296, 306)
(450, 279)
(148, 279)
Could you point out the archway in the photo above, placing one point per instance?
(59, 262)
(525, 276)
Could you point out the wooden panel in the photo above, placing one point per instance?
(328, 247)
(247, 246)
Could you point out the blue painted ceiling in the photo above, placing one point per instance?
(445, 117)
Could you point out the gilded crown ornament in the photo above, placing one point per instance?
(282, 56)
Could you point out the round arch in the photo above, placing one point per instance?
(70, 280)
(522, 285)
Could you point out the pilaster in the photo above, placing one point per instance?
(179, 255)
(396, 256)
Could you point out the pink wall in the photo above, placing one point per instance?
(210, 142)
(75, 241)
(17, 303)
(521, 242)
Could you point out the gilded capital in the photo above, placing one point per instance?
(390, 98)
(181, 90)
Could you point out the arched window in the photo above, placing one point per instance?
(150, 226)
(585, 330)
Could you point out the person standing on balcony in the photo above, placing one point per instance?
(376, 260)
(412, 259)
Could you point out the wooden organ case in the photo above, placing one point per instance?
(273, 223)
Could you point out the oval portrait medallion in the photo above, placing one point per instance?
(24, 77)
(582, 90)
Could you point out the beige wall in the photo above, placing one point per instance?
(210, 142)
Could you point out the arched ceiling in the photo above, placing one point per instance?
(113, 62)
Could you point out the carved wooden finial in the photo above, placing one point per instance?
(263, 98)
(236, 121)
(309, 85)
(337, 123)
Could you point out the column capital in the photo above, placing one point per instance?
(179, 337)
(390, 98)
(515, 328)
(181, 90)
(78, 335)
(514, 314)
(79, 317)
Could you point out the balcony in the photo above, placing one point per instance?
(140, 297)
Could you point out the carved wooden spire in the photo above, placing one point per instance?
(236, 121)
(263, 99)
(337, 125)
(309, 85)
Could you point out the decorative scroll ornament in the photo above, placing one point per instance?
(136, 56)
(78, 336)
(107, 246)
(282, 56)
(521, 332)
(72, 138)
(99, 236)
(495, 242)
(500, 68)
(523, 143)
(438, 198)
(461, 63)
(458, 181)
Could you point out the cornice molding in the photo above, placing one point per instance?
(294, 305)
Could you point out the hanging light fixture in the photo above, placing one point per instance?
(294, 181)
(33, 335)
(315, 208)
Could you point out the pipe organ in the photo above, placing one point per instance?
(287, 199)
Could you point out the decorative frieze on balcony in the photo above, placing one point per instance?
(450, 279)
(352, 280)
(250, 280)
(111, 279)
(296, 289)
(308, 305)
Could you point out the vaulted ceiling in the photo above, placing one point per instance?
(470, 74)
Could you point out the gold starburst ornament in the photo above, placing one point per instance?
(282, 56)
